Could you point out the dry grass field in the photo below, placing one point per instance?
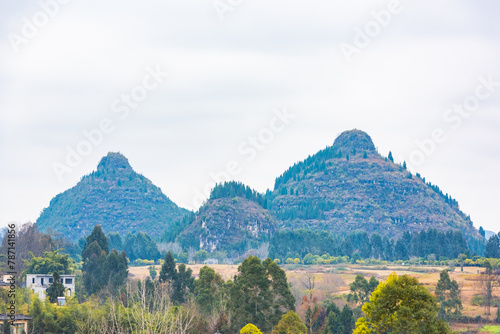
(330, 281)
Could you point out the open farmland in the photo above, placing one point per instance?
(332, 281)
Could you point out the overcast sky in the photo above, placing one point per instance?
(403, 71)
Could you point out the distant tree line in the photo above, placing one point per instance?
(359, 244)
(493, 246)
(136, 246)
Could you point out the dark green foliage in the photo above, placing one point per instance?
(237, 189)
(208, 288)
(259, 295)
(180, 279)
(6, 327)
(50, 262)
(98, 236)
(229, 224)
(99, 268)
(302, 242)
(115, 197)
(56, 289)
(337, 321)
(482, 231)
(358, 244)
(116, 270)
(448, 295)
(167, 272)
(390, 157)
(182, 285)
(493, 247)
(94, 261)
(371, 195)
(141, 246)
(177, 228)
(115, 241)
(200, 256)
(361, 289)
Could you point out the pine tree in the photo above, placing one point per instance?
(448, 294)
(390, 157)
(98, 236)
(56, 289)
(183, 283)
(492, 249)
(168, 270)
(259, 294)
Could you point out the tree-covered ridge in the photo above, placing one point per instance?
(229, 224)
(237, 189)
(348, 144)
(349, 186)
(114, 196)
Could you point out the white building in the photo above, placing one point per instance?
(39, 283)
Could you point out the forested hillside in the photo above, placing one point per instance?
(350, 186)
(115, 197)
(234, 219)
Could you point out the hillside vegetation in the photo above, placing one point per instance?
(115, 197)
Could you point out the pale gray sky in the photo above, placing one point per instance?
(64, 67)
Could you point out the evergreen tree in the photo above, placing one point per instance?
(493, 247)
(482, 231)
(183, 283)
(361, 289)
(98, 236)
(168, 270)
(56, 289)
(448, 294)
(116, 269)
(347, 319)
(259, 294)
(207, 289)
(390, 157)
(94, 261)
(100, 267)
(115, 241)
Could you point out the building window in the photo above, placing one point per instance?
(33, 280)
(69, 281)
(50, 280)
(42, 281)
